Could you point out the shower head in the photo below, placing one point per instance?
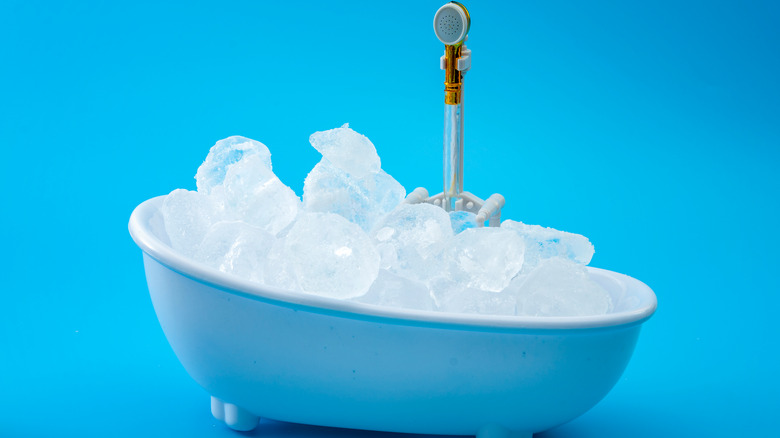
(451, 23)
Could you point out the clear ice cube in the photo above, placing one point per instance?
(362, 201)
(487, 258)
(348, 150)
(462, 221)
(543, 243)
(559, 287)
(324, 254)
(187, 216)
(236, 248)
(225, 153)
(253, 194)
(455, 297)
(277, 270)
(412, 240)
(392, 290)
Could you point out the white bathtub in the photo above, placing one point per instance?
(265, 352)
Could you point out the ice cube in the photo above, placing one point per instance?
(543, 243)
(487, 258)
(362, 201)
(324, 254)
(225, 153)
(412, 240)
(253, 194)
(187, 216)
(462, 221)
(348, 150)
(237, 248)
(454, 297)
(392, 290)
(559, 287)
(277, 269)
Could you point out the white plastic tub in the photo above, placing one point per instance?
(265, 352)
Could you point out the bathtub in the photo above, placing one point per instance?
(289, 356)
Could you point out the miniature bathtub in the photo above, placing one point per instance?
(265, 352)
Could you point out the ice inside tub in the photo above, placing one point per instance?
(351, 236)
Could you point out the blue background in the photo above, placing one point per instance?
(653, 128)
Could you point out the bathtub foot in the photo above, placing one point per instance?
(497, 431)
(234, 417)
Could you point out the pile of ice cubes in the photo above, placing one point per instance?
(352, 237)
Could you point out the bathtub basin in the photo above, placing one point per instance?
(266, 352)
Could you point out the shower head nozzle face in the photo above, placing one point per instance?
(451, 23)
